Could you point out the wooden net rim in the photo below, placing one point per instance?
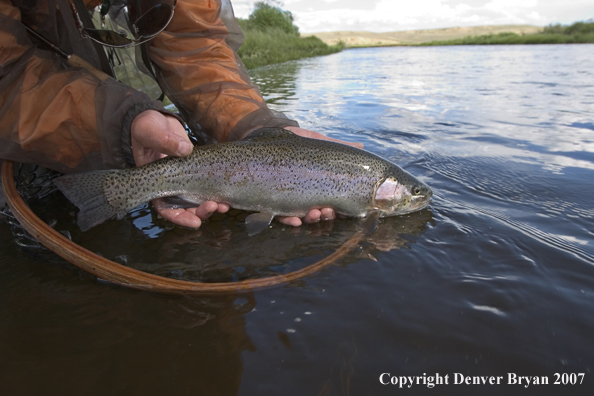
(129, 277)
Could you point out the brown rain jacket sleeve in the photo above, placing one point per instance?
(66, 119)
(199, 70)
(60, 117)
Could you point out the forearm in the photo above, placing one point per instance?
(204, 77)
(60, 117)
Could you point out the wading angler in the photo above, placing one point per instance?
(66, 63)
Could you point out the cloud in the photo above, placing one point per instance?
(392, 15)
(389, 15)
(502, 5)
(242, 8)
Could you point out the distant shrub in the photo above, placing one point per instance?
(266, 17)
(271, 37)
(243, 24)
(276, 46)
(553, 29)
(573, 29)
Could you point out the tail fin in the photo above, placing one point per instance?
(85, 190)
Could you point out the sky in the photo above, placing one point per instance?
(394, 15)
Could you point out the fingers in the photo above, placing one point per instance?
(205, 210)
(313, 216)
(155, 135)
(290, 221)
(315, 135)
(223, 208)
(354, 144)
(181, 217)
(192, 217)
(327, 214)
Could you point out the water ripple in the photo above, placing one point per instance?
(563, 243)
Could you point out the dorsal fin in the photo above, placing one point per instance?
(269, 133)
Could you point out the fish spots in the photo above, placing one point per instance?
(116, 189)
(279, 172)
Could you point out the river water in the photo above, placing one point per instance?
(495, 278)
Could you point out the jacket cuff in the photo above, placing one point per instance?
(262, 118)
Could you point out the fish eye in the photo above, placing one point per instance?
(416, 190)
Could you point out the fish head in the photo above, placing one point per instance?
(400, 193)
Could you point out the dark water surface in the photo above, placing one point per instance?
(495, 277)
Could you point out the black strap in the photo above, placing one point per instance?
(81, 10)
(147, 62)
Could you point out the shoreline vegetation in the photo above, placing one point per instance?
(576, 33)
(271, 37)
(415, 37)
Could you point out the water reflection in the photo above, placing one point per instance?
(122, 335)
(277, 83)
(221, 250)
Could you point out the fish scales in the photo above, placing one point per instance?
(277, 174)
(272, 171)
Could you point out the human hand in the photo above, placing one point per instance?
(155, 135)
(314, 215)
(315, 135)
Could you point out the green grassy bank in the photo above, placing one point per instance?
(276, 46)
(577, 33)
(271, 37)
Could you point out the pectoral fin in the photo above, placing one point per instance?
(178, 202)
(258, 222)
(368, 225)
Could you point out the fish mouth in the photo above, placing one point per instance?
(417, 203)
(420, 202)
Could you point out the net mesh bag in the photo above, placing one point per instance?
(34, 184)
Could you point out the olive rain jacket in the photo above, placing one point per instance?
(66, 119)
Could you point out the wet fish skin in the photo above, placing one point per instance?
(273, 171)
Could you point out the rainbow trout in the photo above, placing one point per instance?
(272, 171)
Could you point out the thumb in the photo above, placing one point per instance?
(161, 133)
